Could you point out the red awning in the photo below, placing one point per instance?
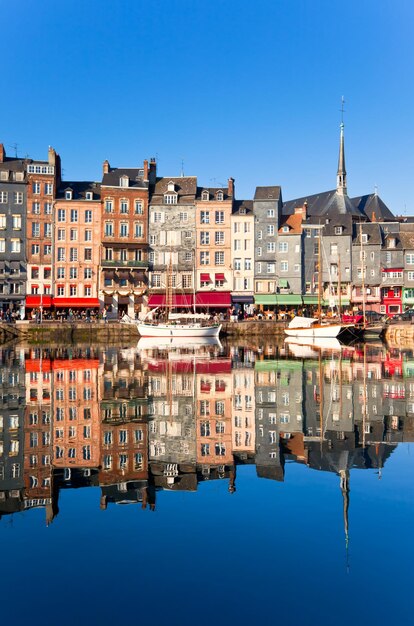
(205, 387)
(178, 300)
(219, 276)
(45, 301)
(76, 302)
(205, 278)
(392, 269)
(213, 298)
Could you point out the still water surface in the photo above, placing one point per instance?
(246, 484)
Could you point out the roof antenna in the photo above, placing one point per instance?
(15, 146)
(182, 168)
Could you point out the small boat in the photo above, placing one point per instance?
(193, 330)
(309, 327)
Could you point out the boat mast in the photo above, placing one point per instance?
(168, 293)
(339, 289)
(362, 277)
(319, 276)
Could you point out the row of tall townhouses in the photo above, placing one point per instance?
(120, 243)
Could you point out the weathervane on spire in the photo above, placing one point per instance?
(342, 109)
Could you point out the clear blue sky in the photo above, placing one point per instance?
(242, 88)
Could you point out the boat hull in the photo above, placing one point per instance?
(196, 331)
(316, 331)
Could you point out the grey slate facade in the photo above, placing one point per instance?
(267, 206)
(13, 206)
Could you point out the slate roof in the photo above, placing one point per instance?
(212, 192)
(13, 165)
(185, 188)
(407, 240)
(135, 176)
(79, 189)
(331, 202)
(373, 206)
(268, 193)
(372, 229)
(245, 205)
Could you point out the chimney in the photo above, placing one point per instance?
(51, 156)
(146, 169)
(152, 170)
(105, 167)
(2, 153)
(302, 210)
(373, 217)
(231, 187)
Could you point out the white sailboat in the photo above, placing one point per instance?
(314, 328)
(193, 326)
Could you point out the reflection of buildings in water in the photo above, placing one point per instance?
(269, 463)
(243, 412)
(123, 472)
(214, 393)
(12, 380)
(38, 434)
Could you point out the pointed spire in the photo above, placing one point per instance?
(341, 174)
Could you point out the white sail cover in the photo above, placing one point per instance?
(302, 322)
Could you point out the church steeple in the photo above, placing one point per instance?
(341, 173)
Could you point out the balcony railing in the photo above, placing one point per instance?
(143, 264)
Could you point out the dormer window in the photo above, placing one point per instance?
(205, 195)
(171, 186)
(364, 238)
(242, 211)
(68, 194)
(391, 242)
(89, 195)
(170, 198)
(338, 230)
(219, 196)
(285, 229)
(124, 181)
(4, 175)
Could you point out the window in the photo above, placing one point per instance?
(219, 217)
(35, 249)
(35, 229)
(124, 181)
(73, 273)
(48, 208)
(205, 449)
(204, 258)
(87, 254)
(73, 254)
(88, 217)
(36, 208)
(156, 280)
(88, 235)
(36, 188)
(18, 197)
(334, 249)
(138, 231)
(17, 222)
(109, 229)
(157, 217)
(61, 234)
(270, 229)
(271, 246)
(219, 238)
(296, 267)
(60, 273)
(73, 234)
(89, 195)
(15, 245)
(247, 264)
(48, 230)
(220, 449)
(123, 206)
(338, 230)
(48, 189)
(219, 258)
(109, 206)
(47, 249)
(68, 195)
(219, 196)
(270, 212)
(205, 217)
(205, 195)
(61, 215)
(138, 208)
(284, 266)
(183, 216)
(170, 198)
(409, 258)
(74, 215)
(271, 268)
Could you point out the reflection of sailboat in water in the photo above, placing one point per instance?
(175, 343)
